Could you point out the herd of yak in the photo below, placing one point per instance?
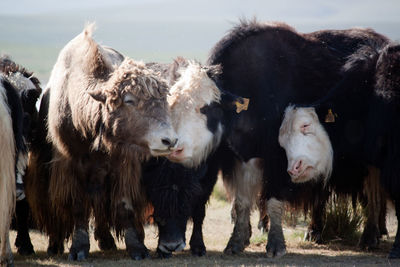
(284, 116)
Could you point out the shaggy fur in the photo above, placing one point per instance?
(177, 192)
(7, 173)
(105, 116)
(193, 91)
(28, 89)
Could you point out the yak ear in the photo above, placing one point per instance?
(230, 101)
(98, 95)
(213, 71)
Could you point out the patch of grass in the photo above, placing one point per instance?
(259, 239)
(342, 222)
(219, 192)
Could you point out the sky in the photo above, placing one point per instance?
(159, 30)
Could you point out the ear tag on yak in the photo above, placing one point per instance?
(240, 107)
(330, 117)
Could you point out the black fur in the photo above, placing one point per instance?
(274, 66)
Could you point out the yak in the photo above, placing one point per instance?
(179, 191)
(273, 65)
(29, 90)
(365, 130)
(19, 92)
(106, 115)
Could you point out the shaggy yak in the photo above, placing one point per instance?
(106, 115)
(19, 92)
(29, 90)
(273, 65)
(180, 191)
(366, 128)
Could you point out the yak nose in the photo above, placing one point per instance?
(296, 168)
(168, 142)
(169, 247)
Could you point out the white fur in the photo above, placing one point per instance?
(188, 95)
(7, 171)
(246, 183)
(19, 81)
(312, 147)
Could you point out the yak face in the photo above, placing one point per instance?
(130, 108)
(307, 145)
(198, 108)
(193, 91)
(136, 109)
(173, 191)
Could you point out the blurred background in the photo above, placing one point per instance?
(33, 32)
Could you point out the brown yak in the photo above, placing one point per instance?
(106, 115)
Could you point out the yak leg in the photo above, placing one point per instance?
(6, 258)
(80, 247)
(80, 242)
(372, 189)
(102, 225)
(56, 245)
(208, 182)
(276, 246)
(244, 185)
(23, 241)
(395, 251)
(134, 233)
(314, 231)
(197, 246)
(103, 235)
(382, 216)
(263, 216)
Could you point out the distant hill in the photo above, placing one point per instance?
(159, 30)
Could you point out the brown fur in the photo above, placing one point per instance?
(97, 140)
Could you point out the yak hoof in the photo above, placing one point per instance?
(163, 255)
(80, 245)
(198, 250)
(275, 247)
(24, 246)
(107, 244)
(370, 237)
(105, 240)
(26, 250)
(139, 254)
(277, 253)
(234, 248)
(78, 255)
(55, 249)
(394, 253)
(7, 261)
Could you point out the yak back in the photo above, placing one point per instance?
(274, 66)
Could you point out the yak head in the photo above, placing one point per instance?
(198, 109)
(132, 101)
(307, 145)
(173, 190)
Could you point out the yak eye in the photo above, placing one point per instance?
(305, 128)
(129, 99)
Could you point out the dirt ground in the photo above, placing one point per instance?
(217, 229)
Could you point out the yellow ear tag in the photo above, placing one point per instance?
(240, 106)
(330, 117)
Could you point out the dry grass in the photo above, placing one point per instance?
(217, 229)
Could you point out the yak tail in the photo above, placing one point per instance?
(7, 171)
